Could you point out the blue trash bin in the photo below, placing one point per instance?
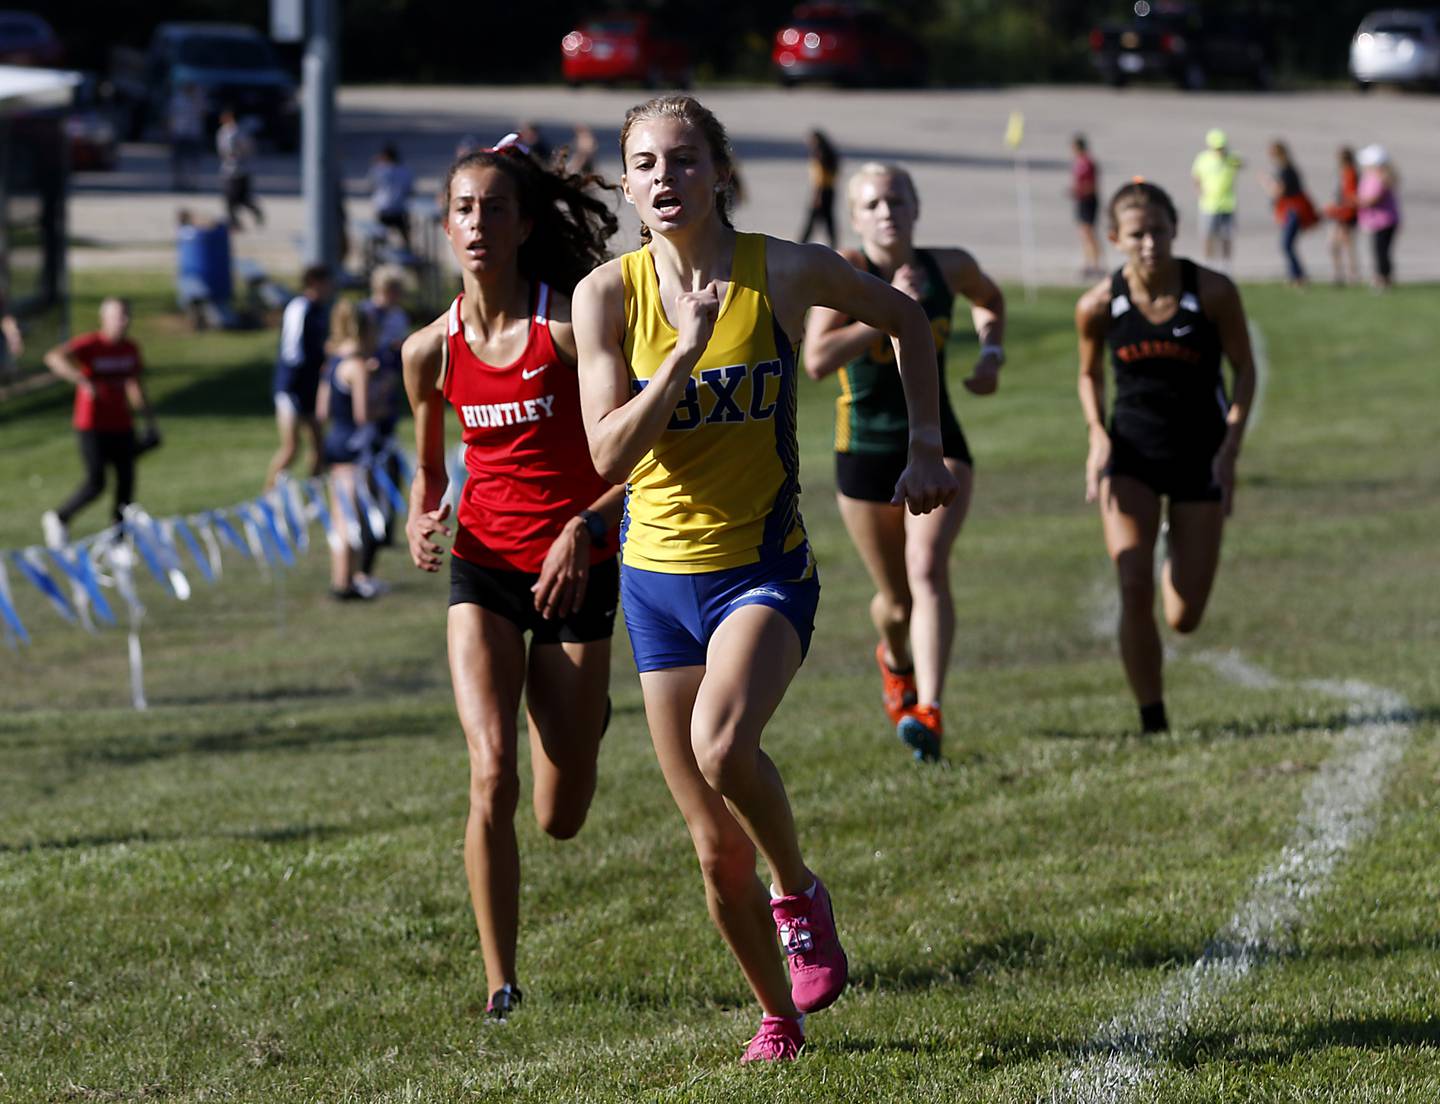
(203, 257)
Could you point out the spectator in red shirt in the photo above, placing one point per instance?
(1083, 190)
(105, 368)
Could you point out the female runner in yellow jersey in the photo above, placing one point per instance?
(687, 379)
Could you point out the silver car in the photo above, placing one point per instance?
(1397, 46)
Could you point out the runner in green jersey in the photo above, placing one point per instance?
(908, 557)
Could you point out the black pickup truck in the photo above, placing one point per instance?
(1180, 43)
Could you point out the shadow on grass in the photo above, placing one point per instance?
(265, 737)
(49, 399)
(283, 834)
(1351, 1032)
(1016, 951)
(1325, 482)
(1020, 951)
(1257, 727)
(411, 680)
(241, 391)
(881, 1046)
(1193, 1049)
(653, 995)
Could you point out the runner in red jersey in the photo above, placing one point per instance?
(535, 551)
(525, 453)
(105, 368)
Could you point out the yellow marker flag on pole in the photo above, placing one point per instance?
(1014, 135)
(1015, 129)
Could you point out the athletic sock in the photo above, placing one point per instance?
(1153, 719)
(775, 893)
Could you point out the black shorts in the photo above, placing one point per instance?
(1185, 478)
(508, 594)
(871, 476)
(1086, 209)
(297, 401)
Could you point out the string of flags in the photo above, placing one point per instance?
(79, 581)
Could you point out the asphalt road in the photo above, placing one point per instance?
(952, 141)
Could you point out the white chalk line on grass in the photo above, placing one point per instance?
(1124, 1056)
(1335, 813)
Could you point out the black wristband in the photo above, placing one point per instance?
(597, 528)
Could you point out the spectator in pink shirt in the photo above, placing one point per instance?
(1379, 208)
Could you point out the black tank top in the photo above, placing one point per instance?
(1169, 394)
(341, 430)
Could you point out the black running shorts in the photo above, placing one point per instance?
(508, 594)
(871, 476)
(1186, 478)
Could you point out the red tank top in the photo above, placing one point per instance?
(526, 457)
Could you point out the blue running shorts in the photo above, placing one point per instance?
(671, 617)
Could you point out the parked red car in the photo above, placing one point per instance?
(846, 45)
(624, 48)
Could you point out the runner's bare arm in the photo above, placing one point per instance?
(562, 326)
(802, 276)
(622, 427)
(357, 375)
(62, 364)
(1091, 323)
(421, 357)
(322, 401)
(831, 339)
(987, 315)
(805, 276)
(1220, 300)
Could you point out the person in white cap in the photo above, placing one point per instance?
(1379, 207)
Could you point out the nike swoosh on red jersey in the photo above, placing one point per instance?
(526, 373)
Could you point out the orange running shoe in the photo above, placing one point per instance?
(897, 692)
(920, 729)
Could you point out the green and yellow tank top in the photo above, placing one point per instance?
(870, 412)
(721, 487)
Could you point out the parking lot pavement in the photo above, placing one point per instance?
(952, 141)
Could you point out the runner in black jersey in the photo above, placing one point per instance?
(1172, 434)
(908, 557)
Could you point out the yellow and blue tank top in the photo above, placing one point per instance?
(721, 487)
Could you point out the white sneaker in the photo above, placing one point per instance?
(56, 535)
(368, 587)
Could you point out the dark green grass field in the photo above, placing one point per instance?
(254, 890)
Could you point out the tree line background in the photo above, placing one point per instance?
(438, 41)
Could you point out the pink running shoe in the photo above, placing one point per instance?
(778, 1040)
(818, 966)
